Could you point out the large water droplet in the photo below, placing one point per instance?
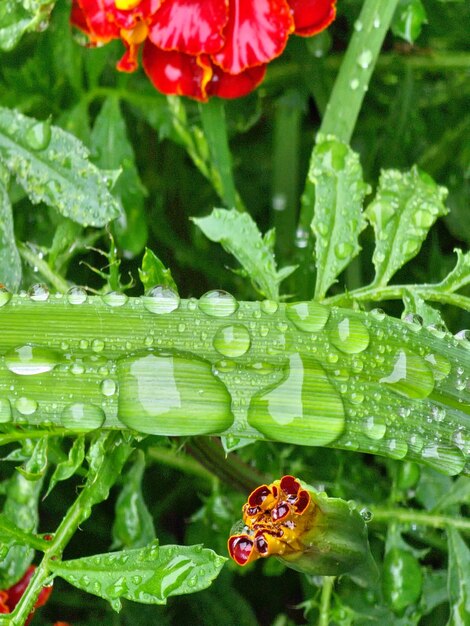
(343, 250)
(5, 411)
(30, 360)
(26, 406)
(310, 317)
(350, 336)
(76, 295)
(449, 460)
(115, 298)
(303, 409)
(172, 394)
(375, 428)
(39, 292)
(108, 387)
(397, 449)
(218, 303)
(82, 417)
(38, 136)
(161, 300)
(269, 306)
(410, 376)
(5, 296)
(232, 341)
(440, 366)
(364, 59)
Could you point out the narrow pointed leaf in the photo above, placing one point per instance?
(240, 236)
(405, 207)
(53, 167)
(148, 575)
(10, 262)
(459, 276)
(338, 220)
(153, 272)
(67, 468)
(458, 580)
(408, 20)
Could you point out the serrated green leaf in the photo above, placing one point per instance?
(148, 575)
(53, 167)
(36, 466)
(153, 272)
(10, 262)
(459, 494)
(113, 150)
(67, 468)
(337, 222)
(133, 523)
(239, 235)
(458, 580)
(414, 304)
(408, 20)
(405, 207)
(19, 16)
(459, 276)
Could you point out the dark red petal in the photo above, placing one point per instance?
(280, 511)
(259, 495)
(190, 26)
(256, 33)
(97, 16)
(290, 485)
(261, 545)
(312, 16)
(226, 85)
(176, 73)
(302, 502)
(240, 548)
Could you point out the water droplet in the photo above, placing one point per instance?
(30, 360)
(438, 330)
(38, 136)
(410, 375)
(413, 321)
(364, 59)
(77, 368)
(301, 238)
(5, 296)
(82, 417)
(76, 295)
(358, 26)
(39, 292)
(376, 22)
(397, 449)
(97, 345)
(440, 366)
(375, 428)
(181, 327)
(366, 514)
(378, 314)
(304, 408)
(269, 306)
(232, 341)
(26, 406)
(356, 397)
(423, 219)
(83, 344)
(172, 394)
(108, 387)
(463, 336)
(343, 250)
(115, 298)
(5, 411)
(161, 300)
(350, 336)
(218, 303)
(136, 580)
(354, 84)
(310, 317)
(225, 366)
(449, 460)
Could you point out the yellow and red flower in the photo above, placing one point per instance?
(201, 48)
(307, 530)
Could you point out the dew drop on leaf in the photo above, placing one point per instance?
(161, 300)
(82, 416)
(38, 292)
(38, 136)
(232, 340)
(218, 303)
(76, 295)
(310, 317)
(350, 336)
(29, 360)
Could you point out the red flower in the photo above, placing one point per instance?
(201, 48)
(10, 598)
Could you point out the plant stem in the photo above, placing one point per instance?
(33, 259)
(325, 600)
(410, 516)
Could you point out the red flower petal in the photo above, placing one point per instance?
(312, 16)
(256, 33)
(94, 14)
(240, 548)
(190, 26)
(176, 73)
(226, 85)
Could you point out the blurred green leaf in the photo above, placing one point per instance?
(19, 16)
(405, 207)
(153, 273)
(459, 493)
(112, 150)
(148, 575)
(53, 167)
(10, 262)
(133, 523)
(410, 15)
(458, 581)
(67, 468)
(338, 221)
(239, 235)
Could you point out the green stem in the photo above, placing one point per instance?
(95, 490)
(411, 516)
(34, 260)
(180, 462)
(19, 536)
(325, 600)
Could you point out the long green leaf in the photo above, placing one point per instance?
(405, 207)
(459, 276)
(240, 236)
(53, 167)
(338, 220)
(149, 575)
(458, 581)
(10, 262)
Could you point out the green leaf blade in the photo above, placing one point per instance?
(338, 220)
(10, 262)
(148, 575)
(153, 272)
(458, 580)
(405, 207)
(53, 167)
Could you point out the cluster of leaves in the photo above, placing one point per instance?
(95, 178)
